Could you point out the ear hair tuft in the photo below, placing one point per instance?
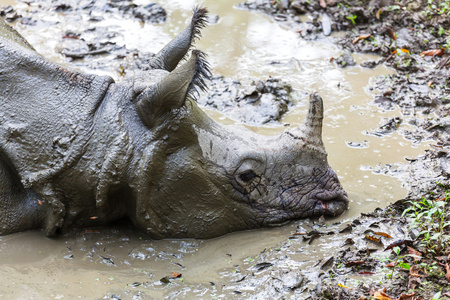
(199, 21)
(202, 73)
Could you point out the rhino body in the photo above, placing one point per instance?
(81, 150)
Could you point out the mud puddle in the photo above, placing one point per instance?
(245, 46)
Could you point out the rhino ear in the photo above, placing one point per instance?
(169, 57)
(171, 92)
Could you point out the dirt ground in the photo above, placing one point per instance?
(412, 37)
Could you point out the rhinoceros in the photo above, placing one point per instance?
(80, 150)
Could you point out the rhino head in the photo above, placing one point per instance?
(197, 178)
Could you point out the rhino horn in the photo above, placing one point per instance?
(171, 91)
(311, 132)
(169, 57)
(313, 121)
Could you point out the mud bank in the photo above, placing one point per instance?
(413, 38)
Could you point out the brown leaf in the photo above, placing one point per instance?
(434, 52)
(391, 33)
(414, 271)
(39, 202)
(366, 273)
(407, 296)
(176, 275)
(373, 239)
(398, 243)
(323, 3)
(361, 37)
(70, 37)
(446, 294)
(403, 50)
(378, 14)
(93, 218)
(381, 296)
(416, 254)
(391, 264)
(383, 234)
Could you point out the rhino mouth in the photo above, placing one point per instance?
(326, 203)
(331, 203)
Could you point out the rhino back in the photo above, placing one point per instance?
(46, 110)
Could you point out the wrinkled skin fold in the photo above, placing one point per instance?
(81, 150)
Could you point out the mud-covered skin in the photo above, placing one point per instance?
(81, 150)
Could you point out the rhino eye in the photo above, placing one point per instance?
(247, 176)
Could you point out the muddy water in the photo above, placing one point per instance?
(243, 44)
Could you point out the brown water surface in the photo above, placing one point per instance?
(243, 44)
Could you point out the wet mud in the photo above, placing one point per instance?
(309, 259)
(412, 37)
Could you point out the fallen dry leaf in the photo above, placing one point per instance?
(361, 37)
(39, 202)
(434, 52)
(373, 239)
(414, 271)
(323, 3)
(391, 264)
(391, 33)
(407, 296)
(366, 273)
(401, 50)
(378, 14)
(398, 243)
(414, 253)
(383, 234)
(176, 275)
(381, 296)
(93, 218)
